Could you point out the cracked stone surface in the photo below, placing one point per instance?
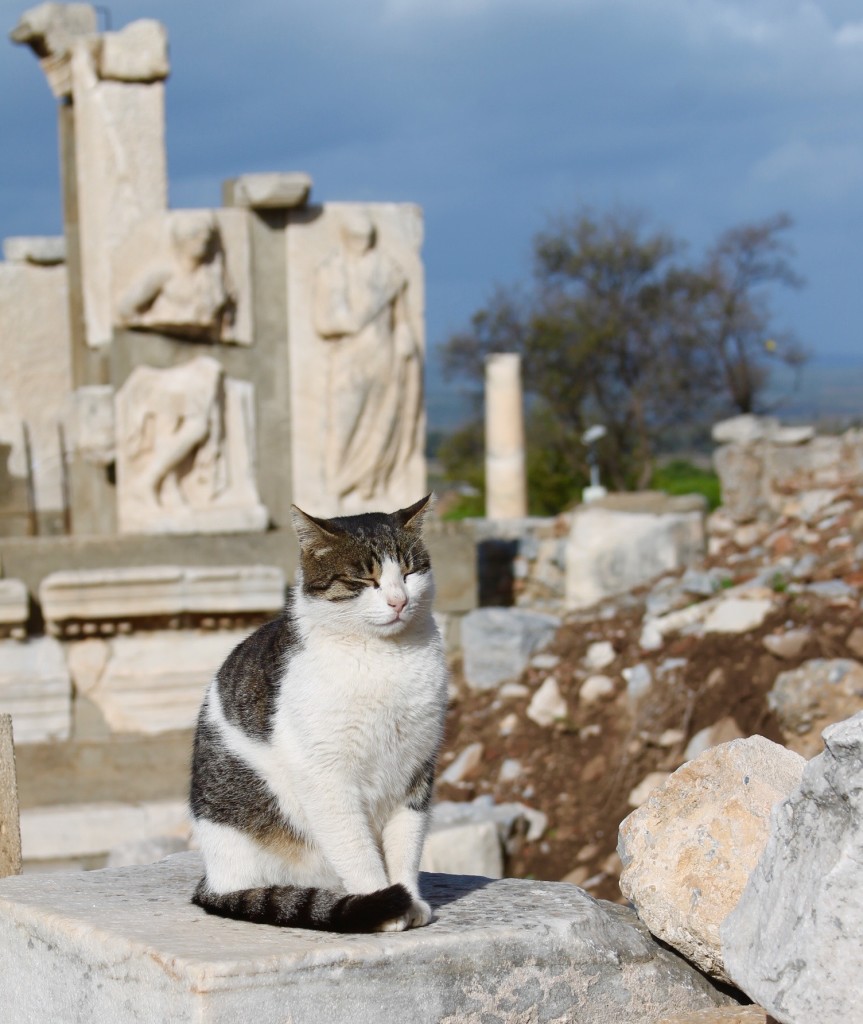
(125, 945)
(793, 940)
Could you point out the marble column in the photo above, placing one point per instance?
(505, 476)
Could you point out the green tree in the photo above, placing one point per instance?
(617, 327)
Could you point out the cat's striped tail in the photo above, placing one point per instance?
(294, 906)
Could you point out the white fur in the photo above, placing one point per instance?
(360, 710)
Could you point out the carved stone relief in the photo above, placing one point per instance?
(187, 273)
(37, 372)
(356, 333)
(186, 451)
(121, 173)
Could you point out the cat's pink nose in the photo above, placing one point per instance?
(397, 602)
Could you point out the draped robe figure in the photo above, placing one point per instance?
(374, 391)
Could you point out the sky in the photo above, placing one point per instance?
(498, 115)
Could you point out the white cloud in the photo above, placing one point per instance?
(850, 34)
(822, 171)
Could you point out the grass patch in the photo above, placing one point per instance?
(682, 477)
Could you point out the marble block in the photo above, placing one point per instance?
(37, 372)
(121, 172)
(14, 603)
(51, 31)
(160, 590)
(35, 689)
(233, 589)
(625, 540)
(152, 682)
(43, 250)
(92, 830)
(126, 945)
(268, 191)
(137, 53)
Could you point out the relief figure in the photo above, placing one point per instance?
(374, 386)
(184, 290)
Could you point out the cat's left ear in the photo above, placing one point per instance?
(312, 532)
(412, 518)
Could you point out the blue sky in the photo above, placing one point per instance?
(495, 115)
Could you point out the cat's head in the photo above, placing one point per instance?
(366, 573)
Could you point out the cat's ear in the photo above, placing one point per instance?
(312, 533)
(412, 518)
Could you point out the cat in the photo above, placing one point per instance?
(317, 740)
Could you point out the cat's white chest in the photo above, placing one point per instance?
(365, 714)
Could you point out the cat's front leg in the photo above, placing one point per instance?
(403, 838)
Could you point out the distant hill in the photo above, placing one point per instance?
(830, 391)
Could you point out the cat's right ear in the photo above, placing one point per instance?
(313, 534)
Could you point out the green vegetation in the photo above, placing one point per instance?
(681, 477)
(619, 327)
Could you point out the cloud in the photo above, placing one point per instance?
(495, 114)
(850, 34)
(829, 172)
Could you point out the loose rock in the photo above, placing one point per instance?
(793, 940)
(816, 694)
(594, 688)
(737, 615)
(547, 704)
(688, 852)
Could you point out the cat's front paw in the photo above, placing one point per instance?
(419, 914)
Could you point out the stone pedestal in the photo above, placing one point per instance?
(505, 476)
(126, 945)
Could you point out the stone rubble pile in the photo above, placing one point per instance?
(697, 696)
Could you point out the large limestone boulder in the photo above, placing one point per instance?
(126, 945)
(793, 940)
(626, 540)
(688, 851)
(813, 696)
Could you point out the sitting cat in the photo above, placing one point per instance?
(317, 740)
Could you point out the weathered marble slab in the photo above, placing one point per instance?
(43, 250)
(126, 945)
(121, 169)
(625, 540)
(37, 372)
(159, 591)
(268, 191)
(14, 603)
(35, 689)
(152, 682)
(88, 830)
